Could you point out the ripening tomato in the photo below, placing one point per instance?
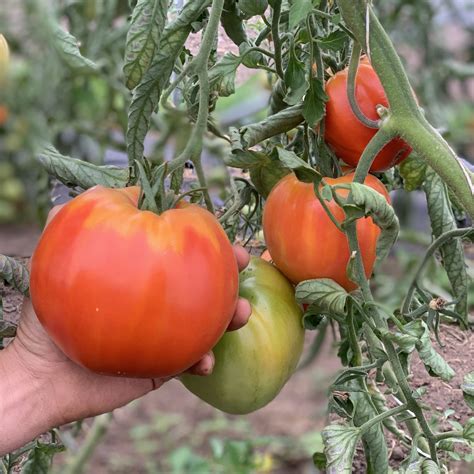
(254, 363)
(303, 241)
(343, 130)
(266, 256)
(128, 292)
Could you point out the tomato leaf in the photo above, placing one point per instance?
(295, 79)
(313, 104)
(15, 274)
(232, 22)
(222, 75)
(339, 446)
(252, 8)
(73, 172)
(40, 458)
(146, 95)
(334, 41)
(442, 220)
(413, 172)
(467, 388)
(303, 171)
(375, 448)
(266, 174)
(368, 202)
(143, 38)
(68, 48)
(323, 292)
(468, 431)
(299, 10)
(250, 135)
(7, 329)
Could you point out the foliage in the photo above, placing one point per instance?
(100, 87)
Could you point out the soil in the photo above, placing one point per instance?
(149, 429)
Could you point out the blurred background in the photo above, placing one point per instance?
(84, 115)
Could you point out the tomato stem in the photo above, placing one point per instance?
(276, 36)
(351, 88)
(407, 118)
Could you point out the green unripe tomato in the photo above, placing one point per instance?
(254, 363)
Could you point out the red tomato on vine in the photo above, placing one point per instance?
(303, 241)
(127, 292)
(344, 132)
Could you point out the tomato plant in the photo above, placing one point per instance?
(135, 287)
(254, 363)
(345, 133)
(303, 241)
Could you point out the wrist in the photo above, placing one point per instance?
(26, 407)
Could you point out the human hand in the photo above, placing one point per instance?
(64, 391)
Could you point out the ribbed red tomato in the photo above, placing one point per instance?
(303, 241)
(127, 292)
(343, 130)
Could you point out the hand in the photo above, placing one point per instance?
(69, 392)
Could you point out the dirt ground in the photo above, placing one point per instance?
(162, 421)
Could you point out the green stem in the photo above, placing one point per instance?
(95, 434)
(408, 120)
(449, 434)
(377, 419)
(442, 239)
(351, 88)
(357, 353)
(276, 37)
(376, 144)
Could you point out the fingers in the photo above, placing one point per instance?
(242, 256)
(52, 213)
(204, 366)
(242, 314)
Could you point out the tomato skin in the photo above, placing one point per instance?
(127, 292)
(266, 256)
(254, 363)
(345, 133)
(303, 241)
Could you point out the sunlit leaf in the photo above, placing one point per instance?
(325, 293)
(339, 446)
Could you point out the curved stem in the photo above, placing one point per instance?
(386, 414)
(408, 120)
(276, 36)
(351, 88)
(373, 148)
(442, 239)
(96, 433)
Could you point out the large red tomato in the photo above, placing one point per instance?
(127, 292)
(343, 130)
(302, 240)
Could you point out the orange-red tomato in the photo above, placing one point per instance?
(343, 130)
(127, 292)
(303, 241)
(266, 256)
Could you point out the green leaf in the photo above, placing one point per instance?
(468, 431)
(252, 8)
(413, 172)
(442, 220)
(74, 172)
(375, 448)
(40, 458)
(299, 10)
(467, 388)
(7, 329)
(320, 461)
(407, 340)
(334, 41)
(232, 23)
(323, 292)
(143, 38)
(369, 202)
(295, 79)
(339, 446)
(15, 274)
(250, 135)
(146, 95)
(313, 105)
(222, 75)
(68, 48)
(265, 175)
(303, 171)
(433, 361)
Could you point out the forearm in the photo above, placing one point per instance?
(26, 409)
